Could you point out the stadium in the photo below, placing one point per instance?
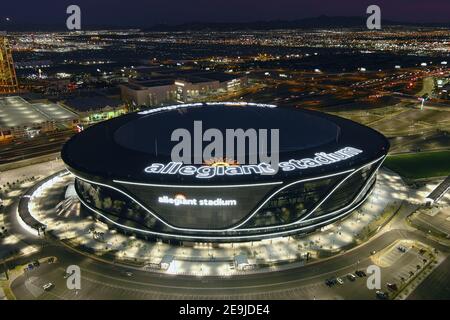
(126, 177)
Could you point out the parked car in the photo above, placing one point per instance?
(49, 286)
(401, 249)
(392, 286)
(330, 282)
(360, 273)
(339, 280)
(382, 295)
(351, 277)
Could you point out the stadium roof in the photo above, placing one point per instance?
(123, 147)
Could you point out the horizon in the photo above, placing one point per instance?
(142, 14)
(339, 22)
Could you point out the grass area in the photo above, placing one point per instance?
(8, 292)
(5, 286)
(428, 86)
(420, 165)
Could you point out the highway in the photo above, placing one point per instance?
(44, 144)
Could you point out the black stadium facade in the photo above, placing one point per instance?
(125, 176)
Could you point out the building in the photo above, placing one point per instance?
(8, 78)
(20, 118)
(95, 107)
(180, 87)
(149, 93)
(126, 177)
(199, 86)
(444, 91)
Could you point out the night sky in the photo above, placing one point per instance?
(150, 12)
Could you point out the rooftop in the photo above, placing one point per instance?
(169, 77)
(92, 103)
(16, 111)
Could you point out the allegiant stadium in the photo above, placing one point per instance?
(125, 174)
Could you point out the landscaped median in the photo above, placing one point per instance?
(407, 288)
(5, 290)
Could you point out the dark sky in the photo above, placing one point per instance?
(150, 12)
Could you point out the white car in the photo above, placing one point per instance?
(339, 280)
(48, 286)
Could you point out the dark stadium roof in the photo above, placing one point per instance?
(294, 136)
(123, 147)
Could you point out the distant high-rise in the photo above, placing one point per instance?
(8, 78)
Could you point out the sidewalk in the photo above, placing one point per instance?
(67, 220)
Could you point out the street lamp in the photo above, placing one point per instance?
(6, 268)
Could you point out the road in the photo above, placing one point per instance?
(101, 280)
(34, 147)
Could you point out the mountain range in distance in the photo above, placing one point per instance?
(323, 21)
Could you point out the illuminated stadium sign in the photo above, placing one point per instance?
(207, 172)
(180, 200)
(190, 105)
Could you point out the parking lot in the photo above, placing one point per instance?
(399, 263)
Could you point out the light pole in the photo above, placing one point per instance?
(42, 235)
(6, 269)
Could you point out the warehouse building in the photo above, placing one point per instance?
(20, 118)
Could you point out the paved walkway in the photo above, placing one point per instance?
(36, 170)
(20, 181)
(68, 220)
